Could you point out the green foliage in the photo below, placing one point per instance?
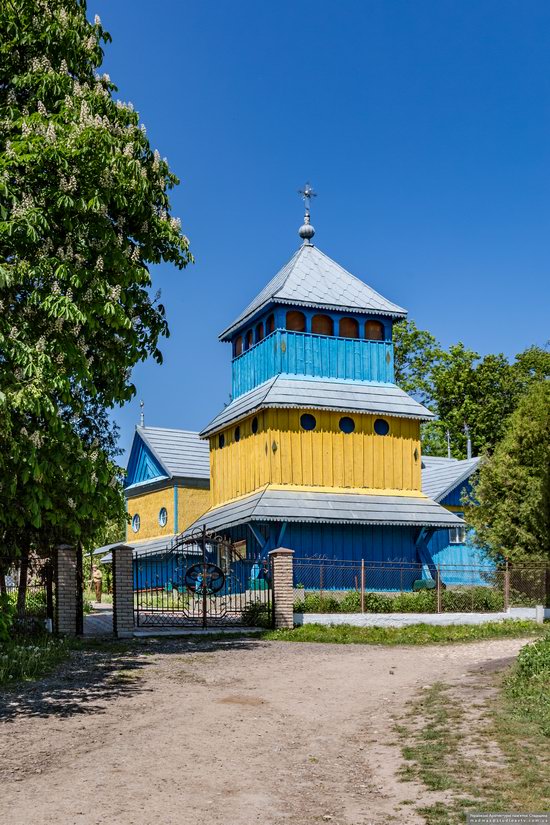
(459, 600)
(84, 212)
(418, 634)
(7, 615)
(511, 509)
(461, 387)
(528, 686)
(257, 614)
(29, 660)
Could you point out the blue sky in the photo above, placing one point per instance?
(424, 127)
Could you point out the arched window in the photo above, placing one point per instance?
(322, 325)
(259, 332)
(221, 440)
(249, 339)
(136, 523)
(374, 331)
(296, 321)
(349, 328)
(270, 325)
(238, 345)
(237, 433)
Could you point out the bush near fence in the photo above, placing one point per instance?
(342, 587)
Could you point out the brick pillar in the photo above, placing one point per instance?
(283, 586)
(65, 589)
(123, 591)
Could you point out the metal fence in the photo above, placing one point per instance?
(327, 586)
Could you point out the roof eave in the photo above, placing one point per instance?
(236, 325)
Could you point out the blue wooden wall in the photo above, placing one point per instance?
(299, 353)
(142, 464)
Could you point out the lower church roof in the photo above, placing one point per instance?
(276, 504)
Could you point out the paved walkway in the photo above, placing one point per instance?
(100, 622)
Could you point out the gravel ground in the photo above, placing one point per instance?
(222, 733)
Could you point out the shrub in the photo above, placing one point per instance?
(257, 614)
(528, 686)
(472, 599)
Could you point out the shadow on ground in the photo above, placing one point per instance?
(99, 672)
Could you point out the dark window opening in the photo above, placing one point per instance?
(259, 332)
(308, 421)
(238, 345)
(381, 427)
(237, 433)
(296, 321)
(322, 325)
(249, 339)
(254, 425)
(374, 331)
(349, 328)
(270, 324)
(221, 440)
(347, 425)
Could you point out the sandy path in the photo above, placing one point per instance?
(222, 734)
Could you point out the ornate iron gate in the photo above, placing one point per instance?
(201, 581)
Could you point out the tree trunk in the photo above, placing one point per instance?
(3, 588)
(23, 576)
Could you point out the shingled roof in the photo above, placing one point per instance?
(321, 394)
(180, 452)
(441, 475)
(312, 279)
(276, 504)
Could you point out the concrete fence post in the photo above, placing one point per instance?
(123, 591)
(65, 590)
(283, 586)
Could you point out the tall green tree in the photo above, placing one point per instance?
(84, 212)
(511, 499)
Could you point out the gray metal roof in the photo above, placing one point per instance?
(321, 394)
(158, 545)
(441, 475)
(275, 504)
(312, 279)
(181, 452)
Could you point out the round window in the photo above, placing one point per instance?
(308, 421)
(347, 425)
(163, 516)
(135, 523)
(221, 440)
(381, 427)
(254, 425)
(237, 433)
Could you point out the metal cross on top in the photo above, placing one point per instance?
(307, 194)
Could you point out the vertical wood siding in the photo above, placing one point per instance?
(298, 353)
(281, 452)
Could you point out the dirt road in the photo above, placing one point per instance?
(222, 733)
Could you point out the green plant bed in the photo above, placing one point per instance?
(459, 600)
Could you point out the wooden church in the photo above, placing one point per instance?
(319, 450)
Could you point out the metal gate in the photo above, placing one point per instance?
(201, 581)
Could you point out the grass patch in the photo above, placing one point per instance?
(418, 634)
(24, 660)
(493, 758)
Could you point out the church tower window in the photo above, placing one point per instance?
(349, 328)
(322, 325)
(374, 331)
(296, 321)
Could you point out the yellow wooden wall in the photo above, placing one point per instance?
(192, 503)
(282, 452)
(148, 506)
